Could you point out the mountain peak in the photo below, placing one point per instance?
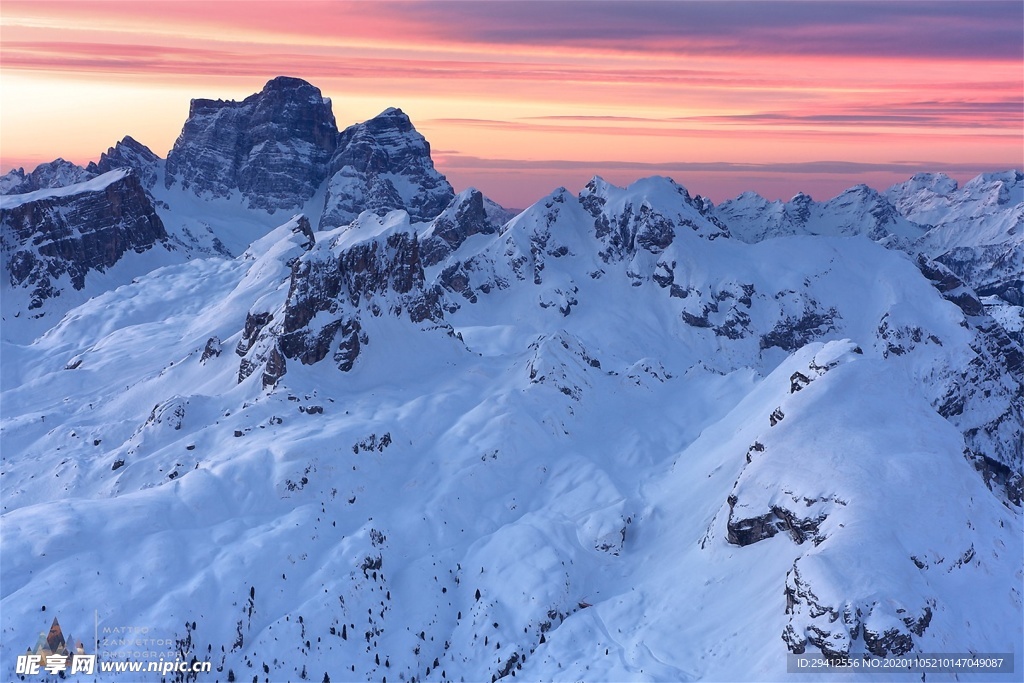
(287, 83)
(53, 174)
(392, 112)
(128, 153)
(391, 119)
(380, 165)
(288, 89)
(273, 147)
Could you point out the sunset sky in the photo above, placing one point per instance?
(517, 98)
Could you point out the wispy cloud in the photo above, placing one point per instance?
(463, 161)
(977, 30)
(939, 30)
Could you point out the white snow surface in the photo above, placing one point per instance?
(100, 182)
(547, 493)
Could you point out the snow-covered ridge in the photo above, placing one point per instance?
(101, 182)
(52, 240)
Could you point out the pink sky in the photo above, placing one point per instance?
(518, 98)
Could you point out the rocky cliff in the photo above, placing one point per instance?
(381, 165)
(128, 153)
(277, 147)
(337, 278)
(56, 173)
(49, 235)
(273, 147)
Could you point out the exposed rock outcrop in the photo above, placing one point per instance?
(53, 174)
(887, 627)
(381, 165)
(985, 397)
(273, 147)
(466, 216)
(72, 231)
(332, 285)
(128, 153)
(645, 216)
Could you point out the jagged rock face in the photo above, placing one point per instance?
(50, 235)
(381, 165)
(464, 217)
(129, 153)
(886, 628)
(993, 270)
(57, 173)
(604, 226)
(331, 286)
(645, 216)
(273, 147)
(985, 397)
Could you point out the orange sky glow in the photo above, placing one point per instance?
(517, 98)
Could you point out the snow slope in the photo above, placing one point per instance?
(605, 471)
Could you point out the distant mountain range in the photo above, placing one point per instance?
(290, 402)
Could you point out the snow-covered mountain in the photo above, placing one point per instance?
(54, 239)
(622, 435)
(238, 170)
(978, 229)
(54, 174)
(858, 211)
(383, 164)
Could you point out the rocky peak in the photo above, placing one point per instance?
(466, 216)
(381, 165)
(752, 218)
(924, 198)
(56, 173)
(645, 215)
(938, 183)
(273, 146)
(750, 198)
(799, 208)
(997, 189)
(71, 231)
(13, 181)
(371, 268)
(598, 188)
(128, 153)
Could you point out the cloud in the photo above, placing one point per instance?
(640, 80)
(977, 30)
(938, 30)
(990, 122)
(964, 113)
(463, 161)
